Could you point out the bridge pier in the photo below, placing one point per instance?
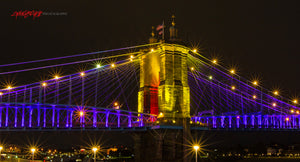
(161, 145)
(164, 144)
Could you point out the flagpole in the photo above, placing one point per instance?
(163, 35)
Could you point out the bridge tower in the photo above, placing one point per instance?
(164, 88)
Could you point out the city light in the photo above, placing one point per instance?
(254, 96)
(255, 82)
(233, 87)
(132, 56)
(81, 113)
(95, 150)
(215, 61)
(297, 112)
(194, 50)
(287, 119)
(152, 49)
(292, 111)
(1, 93)
(274, 104)
(295, 101)
(192, 68)
(196, 147)
(210, 77)
(98, 66)
(276, 93)
(232, 71)
(113, 65)
(116, 104)
(44, 84)
(1, 148)
(9, 87)
(32, 150)
(56, 77)
(160, 115)
(82, 74)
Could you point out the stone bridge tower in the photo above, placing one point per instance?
(164, 88)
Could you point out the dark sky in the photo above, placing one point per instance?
(260, 37)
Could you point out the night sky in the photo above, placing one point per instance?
(260, 37)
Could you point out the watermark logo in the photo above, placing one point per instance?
(36, 14)
(26, 13)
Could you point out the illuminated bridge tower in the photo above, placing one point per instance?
(173, 90)
(149, 79)
(164, 88)
(164, 91)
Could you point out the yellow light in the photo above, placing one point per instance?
(276, 92)
(192, 68)
(1, 148)
(32, 150)
(116, 103)
(297, 112)
(255, 83)
(44, 84)
(233, 87)
(214, 61)
(295, 101)
(292, 111)
(232, 71)
(95, 149)
(81, 113)
(210, 77)
(195, 50)
(160, 115)
(98, 66)
(1, 93)
(82, 74)
(131, 59)
(287, 119)
(191, 122)
(132, 56)
(196, 147)
(9, 87)
(152, 49)
(174, 121)
(254, 96)
(274, 104)
(56, 77)
(112, 65)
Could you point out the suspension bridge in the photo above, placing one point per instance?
(161, 84)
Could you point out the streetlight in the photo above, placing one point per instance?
(95, 150)
(32, 150)
(196, 147)
(1, 148)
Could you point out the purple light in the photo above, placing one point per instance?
(129, 120)
(30, 117)
(106, 119)
(16, 117)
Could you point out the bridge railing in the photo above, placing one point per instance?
(275, 121)
(28, 115)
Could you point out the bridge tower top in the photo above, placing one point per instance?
(164, 89)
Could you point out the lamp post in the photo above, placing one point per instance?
(1, 148)
(32, 150)
(95, 150)
(196, 147)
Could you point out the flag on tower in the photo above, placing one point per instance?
(160, 29)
